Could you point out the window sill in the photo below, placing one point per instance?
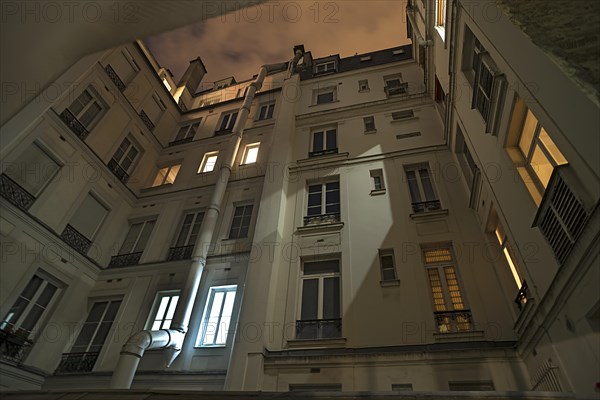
(323, 104)
(458, 336)
(429, 214)
(395, 121)
(320, 228)
(154, 188)
(318, 343)
(390, 283)
(324, 157)
(221, 346)
(364, 91)
(369, 132)
(377, 192)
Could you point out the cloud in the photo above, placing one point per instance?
(238, 43)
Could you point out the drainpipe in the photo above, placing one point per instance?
(172, 339)
(449, 117)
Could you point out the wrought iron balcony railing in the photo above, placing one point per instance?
(181, 141)
(424, 206)
(223, 131)
(114, 77)
(119, 172)
(322, 152)
(146, 120)
(522, 296)
(396, 90)
(321, 219)
(123, 260)
(76, 240)
(76, 363)
(73, 123)
(13, 345)
(319, 329)
(180, 253)
(453, 321)
(14, 193)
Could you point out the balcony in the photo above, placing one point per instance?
(180, 141)
(76, 363)
(321, 219)
(118, 171)
(14, 345)
(319, 329)
(453, 321)
(425, 206)
(322, 152)
(76, 240)
(146, 120)
(123, 260)
(73, 123)
(180, 253)
(522, 296)
(114, 77)
(14, 193)
(396, 90)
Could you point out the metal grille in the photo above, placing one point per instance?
(114, 77)
(73, 123)
(119, 172)
(180, 253)
(123, 260)
(14, 193)
(146, 120)
(322, 219)
(13, 346)
(424, 206)
(453, 321)
(74, 363)
(545, 378)
(562, 217)
(319, 328)
(76, 240)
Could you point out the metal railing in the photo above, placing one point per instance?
(118, 171)
(424, 206)
(76, 363)
(123, 260)
(180, 253)
(14, 193)
(76, 240)
(453, 321)
(146, 120)
(180, 141)
(114, 77)
(522, 296)
(73, 123)
(396, 90)
(319, 328)
(13, 345)
(321, 219)
(322, 152)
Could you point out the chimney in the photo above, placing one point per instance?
(193, 75)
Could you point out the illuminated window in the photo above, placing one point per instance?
(250, 153)
(538, 149)
(208, 162)
(450, 311)
(506, 250)
(166, 175)
(217, 316)
(440, 10)
(163, 310)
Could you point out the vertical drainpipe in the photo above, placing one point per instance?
(172, 339)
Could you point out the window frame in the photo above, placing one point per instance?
(269, 111)
(323, 202)
(326, 132)
(246, 152)
(166, 175)
(323, 91)
(99, 323)
(132, 145)
(245, 205)
(416, 169)
(369, 121)
(207, 156)
(139, 235)
(387, 253)
(328, 67)
(102, 203)
(152, 320)
(377, 174)
(187, 131)
(363, 85)
(95, 98)
(227, 122)
(196, 214)
(206, 316)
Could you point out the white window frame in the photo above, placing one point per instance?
(369, 120)
(16, 326)
(247, 151)
(239, 228)
(138, 237)
(416, 169)
(325, 67)
(126, 153)
(377, 180)
(202, 169)
(40, 170)
(323, 205)
(95, 98)
(170, 307)
(268, 108)
(169, 168)
(387, 253)
(363, 85)
(326, 132)
(226, 122)
(488, 105)
(322, 91)
(100, 223)
(188, 131)
(226, 289)
(197, 215)
(99, 323)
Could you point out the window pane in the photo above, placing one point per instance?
(162, 308)
(146, 232)
(32, 318)
(541, 166)
(88, 216)
(413, 186)
(549, 145)
(46, 295)
(160, 177)
(331, 298)
(131, 238)
(80, 102)
(310, 299)
(389, 274)
(454, 288)
(318, 141)
(111, 313)
(195, 229)
(90, 114)
(172, 173)
(427, 186)
(223, 328)
(436, 289)
(97, 311)
(527, 133)
(321, 267)
(32, 287)
(172, 307)
(437, 255)
(251, 155)
(331, 140)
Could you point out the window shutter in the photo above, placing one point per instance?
(497, 102)
(88, 216)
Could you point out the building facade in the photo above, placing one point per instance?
(416, 218)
